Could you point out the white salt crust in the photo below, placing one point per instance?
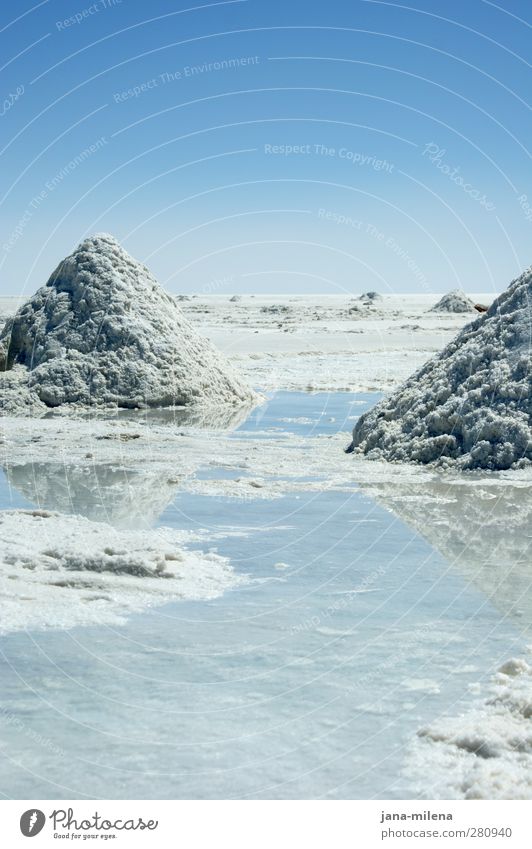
(486, 752)
(59, 571)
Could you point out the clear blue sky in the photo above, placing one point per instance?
(261, 146)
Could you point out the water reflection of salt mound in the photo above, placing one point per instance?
(204, 418)
(224, 417)
(123, 469)
(102, 331)
(121, 497)
(483, 529)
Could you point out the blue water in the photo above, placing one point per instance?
(308, 414)
(309, 681)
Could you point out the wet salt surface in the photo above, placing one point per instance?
(309, 681)
(308, 414)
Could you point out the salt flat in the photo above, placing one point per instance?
(326, 342)
(215, 500)
(321, 342)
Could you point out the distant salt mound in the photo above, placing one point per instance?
(454, 301)
(471, 405)
(276, 308)
(370, 297)
(103, 332)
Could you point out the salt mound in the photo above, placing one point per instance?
(370, 297)
(276, 308)
(454, 301)
(470, 406)
(103, 331)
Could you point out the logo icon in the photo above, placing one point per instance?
(32, 822)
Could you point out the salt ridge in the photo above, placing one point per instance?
(59, 571)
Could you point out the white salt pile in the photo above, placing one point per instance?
(276, 308)
(470, 406)
(454, 301)
(486, 753)
(103, 332)
(370, 297)
(58, 571)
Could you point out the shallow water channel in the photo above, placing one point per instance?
(310, 680)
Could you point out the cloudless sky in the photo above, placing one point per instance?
(270, 146)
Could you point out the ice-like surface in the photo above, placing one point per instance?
(59, 571)
(148, 452)
(310, 679)
(454, 301)
(471, 405)
(486, 751)
(103, 332)
(481, 525)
